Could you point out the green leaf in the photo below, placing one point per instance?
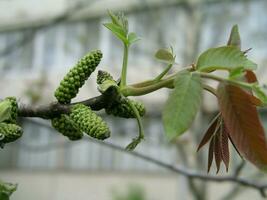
(113, 18)
(259, 92)
(234, 39)
(132, 38)
(120, 20)
(236, 73)
(6, 190)
(182, 104)
(117, 31)
(5, 110)
(165, 55)
(226, 57)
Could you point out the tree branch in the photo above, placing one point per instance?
(54, 109)
(188, 173)
(176, 169)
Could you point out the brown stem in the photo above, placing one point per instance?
(54, 109)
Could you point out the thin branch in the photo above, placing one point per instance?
(176, 169)
(54, 109)
(239, 168)
(188, 173)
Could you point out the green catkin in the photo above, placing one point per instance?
(67, 127)
(9, 132)
(14, 110)
(89, 122)
(123, 109)
(76, 77)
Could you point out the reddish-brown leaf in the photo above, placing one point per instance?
(250, 76)
(209, 133)
(254, 100)
(242, 120)
(217, 151)
(211, 150)
(225, 146)
(229, 136)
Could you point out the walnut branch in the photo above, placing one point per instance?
(262, 188)
(54, 109)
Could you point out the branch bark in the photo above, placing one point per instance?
(54, 109)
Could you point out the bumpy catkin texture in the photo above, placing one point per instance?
(14, 109)
(76, 77)
(89, 122)
(11, 132)
(67, 127)
(123, 109)
(103, 76)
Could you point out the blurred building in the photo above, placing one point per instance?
(41, 40)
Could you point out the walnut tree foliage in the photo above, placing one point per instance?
(239, 94)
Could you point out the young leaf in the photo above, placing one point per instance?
(117, 31)
(113, 18)
(120, 20)
(211, 152)
(132, 38)
(182, 104)
(209, 133)
(217, 151)
(234, 39)
(251, 76)
(224, 146)
(227, 58)
(165, 55)
(242, 120)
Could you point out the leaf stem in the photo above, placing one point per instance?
(137, 91)
(210, 89)
(165, 71)
(124, 66)
(141, 134)
(220, 79)
(149, 86)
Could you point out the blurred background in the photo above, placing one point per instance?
(41, 40)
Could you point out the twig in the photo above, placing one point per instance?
(239, 168)
(176, 169)
(188, 173)
(54, 109)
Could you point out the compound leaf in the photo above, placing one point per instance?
(132, 38)
(182, 104)
(117, 31)
(209, 133)
(165, 55)
(226, 57)
(242, 120)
